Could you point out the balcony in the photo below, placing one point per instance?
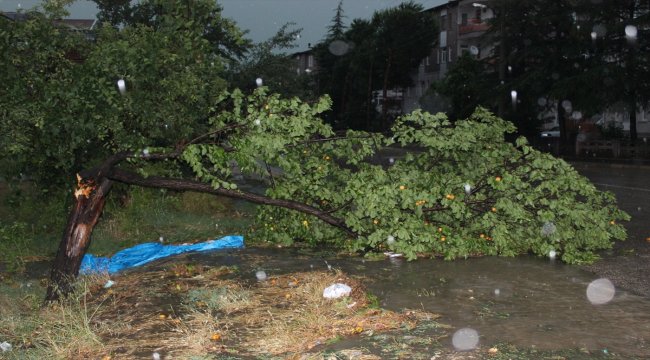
(473, 27)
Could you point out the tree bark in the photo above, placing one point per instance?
(90, 198)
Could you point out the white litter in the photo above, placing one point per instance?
(108, 284)
(336, 291)
(5, 346)
(391, 254)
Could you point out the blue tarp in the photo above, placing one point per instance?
(148, 252)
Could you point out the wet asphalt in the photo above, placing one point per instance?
(627, 265)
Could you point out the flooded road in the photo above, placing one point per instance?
(524, 301)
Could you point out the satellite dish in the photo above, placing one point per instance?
(473, 50)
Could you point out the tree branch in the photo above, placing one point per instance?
(131, 178)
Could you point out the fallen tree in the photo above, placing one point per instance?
(461, 190)
(453, 190)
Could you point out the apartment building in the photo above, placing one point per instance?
(463, 26)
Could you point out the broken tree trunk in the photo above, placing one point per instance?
(90, 197)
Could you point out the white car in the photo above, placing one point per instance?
(553, 132)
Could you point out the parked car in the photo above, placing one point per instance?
(553, 132)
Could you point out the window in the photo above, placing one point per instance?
(463, 19)
(310, 61)
(426, 61)
(443, 21)
(438, 56)
(464, 49)
(443, 55)
(449, 53)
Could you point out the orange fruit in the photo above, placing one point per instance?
(494, 209)
(497, 179)
(443, 238)
(482, 236)
(402, 187)
(215, 337)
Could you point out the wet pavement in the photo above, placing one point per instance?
(628, 264)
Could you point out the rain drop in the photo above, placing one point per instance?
(161, 239)
(156, 356)
(390, 240)
(600, 291)
(552, 254)
(509, 68)
(391, 160)
(600, 30)
(145, 152)
(468, 188)
(260, 275)
(465, 339)
(576, 115)
(568, 107)
(121, 86)
(257, 122)
(639, 208)
(594, 35)
(631, 32)
(541, 101)
(548, 228)
(338, 47)
(259, 82)
(513, 95)
(497, 292)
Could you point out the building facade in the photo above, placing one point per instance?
(463, 25)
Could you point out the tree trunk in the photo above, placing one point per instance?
(90, 198)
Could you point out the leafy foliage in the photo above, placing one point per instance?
(459, 190)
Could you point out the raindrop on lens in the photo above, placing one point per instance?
(390, 240)
(259, 82)
(257, 122)
(121, 86)
(156, 356)
(594, 35)
(391, 160)
(552, 254)
(497, 292)
(576, 115)
(600, 291)
(145, 152)
(600, 30)
(260, 275)
(541, 101)
(338, 47)
(548, 228)
(631, 32)
(161, 239)
(468, 188)
(465, 339)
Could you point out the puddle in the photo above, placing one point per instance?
(528, 302)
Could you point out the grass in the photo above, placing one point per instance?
(64, 330)
(32, 222)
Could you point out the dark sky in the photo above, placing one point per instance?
(264, 17)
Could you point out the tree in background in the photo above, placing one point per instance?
(203, 16)
(269, 62)
(378, 54)
(619, 46)
(464, 85)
